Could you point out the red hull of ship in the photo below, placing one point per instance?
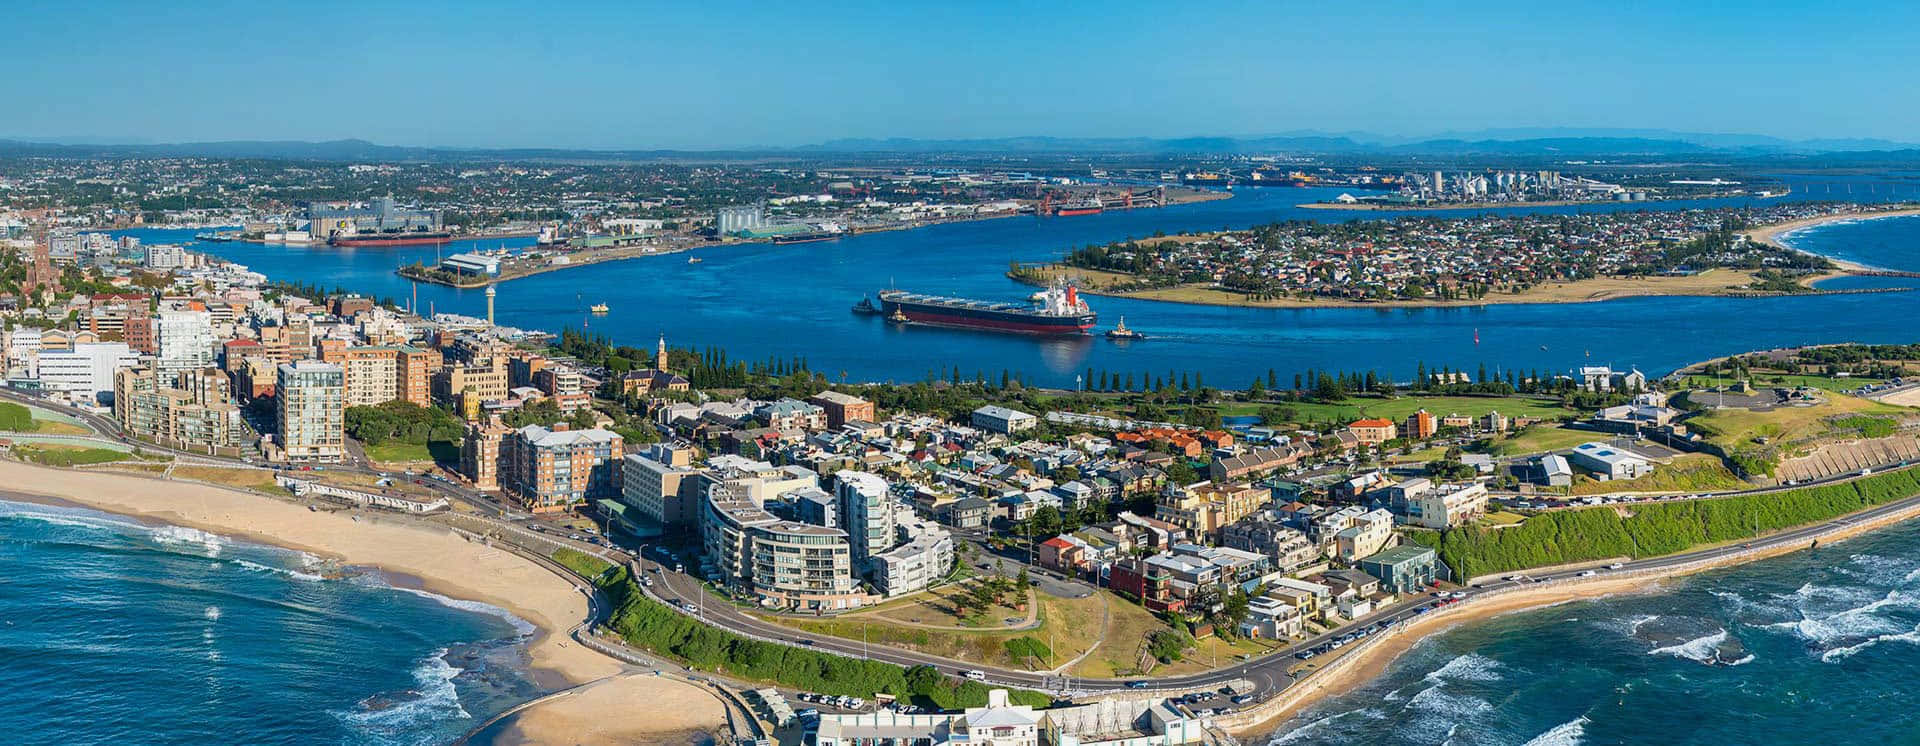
(961, 322)
(421, 241)
(1076, 212)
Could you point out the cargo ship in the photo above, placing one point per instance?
(1058, 311)
(409, 238)
(1081, 207)
(821, 234)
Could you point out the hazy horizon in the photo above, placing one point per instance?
(497, 74)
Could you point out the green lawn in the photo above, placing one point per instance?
(394, 452)
(64, 455)
(587, 565)
(1733, 428)
(1398, 409)
(1068, 627)
(19, 419)
(1763, 378)
(1540, 439)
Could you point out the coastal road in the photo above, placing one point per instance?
(1268, 674)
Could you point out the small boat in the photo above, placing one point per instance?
(694, 260)
(598, 308)
(898, 317)
(1120, 331)
(866, 307)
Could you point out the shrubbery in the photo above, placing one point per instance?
(16, 418)
(1588, 534)
(1021, 648)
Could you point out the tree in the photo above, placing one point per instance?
(1181, 474)
(1167, 645)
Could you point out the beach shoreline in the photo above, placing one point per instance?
(1356, 669)
(1713, 283)
(1771, 234)
(408, 552)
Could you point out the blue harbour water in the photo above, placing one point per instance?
(114, 631)
(1819, 647)
(119, 632)
(760, 301)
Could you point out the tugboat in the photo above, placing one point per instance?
(866, 307)
(898, 317)
(1121, 332)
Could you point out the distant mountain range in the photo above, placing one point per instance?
(1540, 141)
(1523, 142)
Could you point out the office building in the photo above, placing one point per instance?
(1003, 420)
(664, 493)
(844, 408)
(1607, 462)
(84, 371)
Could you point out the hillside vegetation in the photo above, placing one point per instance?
(1590, 534)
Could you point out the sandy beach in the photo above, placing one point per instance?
(432, 557)
(1769, 234)
(1356, 669)
(1726, 283)
(676, 713)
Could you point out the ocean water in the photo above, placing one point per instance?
(1818, 647)
(113, 631)
(760, 301)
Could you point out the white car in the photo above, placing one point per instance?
(1586, 573)
(1615, 566)
(976, 675)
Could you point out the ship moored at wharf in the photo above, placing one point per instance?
(408, 238)
(1056, 311)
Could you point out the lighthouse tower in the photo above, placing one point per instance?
(660, 354)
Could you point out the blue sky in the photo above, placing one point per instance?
(713, 73)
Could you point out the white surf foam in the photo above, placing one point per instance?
(1851, 623)
(521, 626)
(1568, 733)
(1469, 667)
(1703, 648)
(211, 544)
(436, 700)
(1310, 729)
(252, 566)
(1911, 636)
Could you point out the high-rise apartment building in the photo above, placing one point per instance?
(184, 340)
(552, 469)
(312, 399)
